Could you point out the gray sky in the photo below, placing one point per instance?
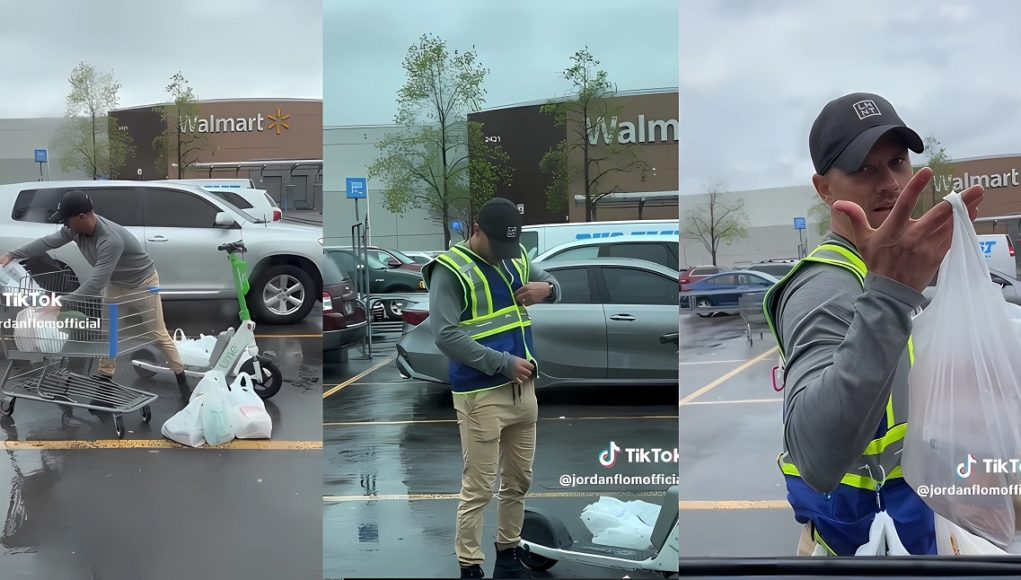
(225, 48)
(754, 75)
(524, 43)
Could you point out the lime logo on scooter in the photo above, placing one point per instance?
(230, 356)
(608, 457)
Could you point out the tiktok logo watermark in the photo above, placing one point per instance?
(608, 457)
(964, 469)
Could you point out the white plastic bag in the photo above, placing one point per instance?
(36, 331)
(248, 416)
(185, 427)
(953, 540)
(211, 393)
(883, 539)
(965, 391)
(194, 352)
(613, 522)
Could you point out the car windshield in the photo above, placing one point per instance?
(402, 257)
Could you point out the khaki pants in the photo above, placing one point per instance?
(497, 432)
(163, 338)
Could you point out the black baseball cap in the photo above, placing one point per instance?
(500, 220)
(73, 202)
(847, 128)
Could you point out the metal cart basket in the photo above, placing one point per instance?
(750, 306)
(49, 330)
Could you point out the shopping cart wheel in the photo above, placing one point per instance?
(271, 380)
(118, 423)
(7, 406)
(146, 414)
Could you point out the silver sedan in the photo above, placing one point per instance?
(615, 324)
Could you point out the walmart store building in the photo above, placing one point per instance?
(649, 129)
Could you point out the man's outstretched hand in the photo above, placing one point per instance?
(907, 250)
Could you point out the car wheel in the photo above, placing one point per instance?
(394, 309)
(282, 294)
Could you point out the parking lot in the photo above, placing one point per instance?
(733, 499)
(83, 504)
(392, 465)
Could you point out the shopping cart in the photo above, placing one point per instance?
(750, 307)
(48, 340)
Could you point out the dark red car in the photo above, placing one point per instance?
(344, 320)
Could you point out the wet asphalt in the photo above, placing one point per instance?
(393, 465)
(144, 508)
(733, 499)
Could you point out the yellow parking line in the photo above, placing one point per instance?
(320, 336)
(453, 496)
(424, 421)
(360, 375)
(236, 445)
(775, 504)
(727, 376)
(734, 402)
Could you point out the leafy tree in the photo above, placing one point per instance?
(820, 214)
(180, 141)
(437, 161)
(593, 137)
(718, 220)
(89, 140)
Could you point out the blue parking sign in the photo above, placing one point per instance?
(356, 188)
(40, 156)
(799, 223)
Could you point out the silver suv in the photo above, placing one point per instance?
(181, 227)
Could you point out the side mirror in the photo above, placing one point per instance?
(393, 263)
(224, 220)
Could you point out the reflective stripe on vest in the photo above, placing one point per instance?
(881, 458)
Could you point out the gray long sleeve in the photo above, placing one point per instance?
(40, 246)
(845, 354)
(446, 304)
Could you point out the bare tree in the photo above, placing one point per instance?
(90, 141)
(718, 220)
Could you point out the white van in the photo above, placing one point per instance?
(999, 252)
(537, 239)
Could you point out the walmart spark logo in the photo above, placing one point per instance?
(278, 121)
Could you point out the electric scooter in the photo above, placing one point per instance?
(546, 541)
(235, 351)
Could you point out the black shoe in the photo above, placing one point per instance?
(508, 564)
(473, 571)
(182, 384)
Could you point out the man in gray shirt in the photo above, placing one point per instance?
(120, 266)
(842, 319)
(478, 293)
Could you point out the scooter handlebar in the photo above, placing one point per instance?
(232, 247)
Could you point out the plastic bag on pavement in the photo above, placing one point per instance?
(613, 522)
(965, 392)
(185, 427)
(194, 352)
(883, 539)
(248, 416)
(214, 408)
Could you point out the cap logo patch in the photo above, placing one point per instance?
(866, 108)
(512, 232)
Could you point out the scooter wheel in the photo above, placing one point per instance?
(535, 561)
(147, 356)
(269, 381)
